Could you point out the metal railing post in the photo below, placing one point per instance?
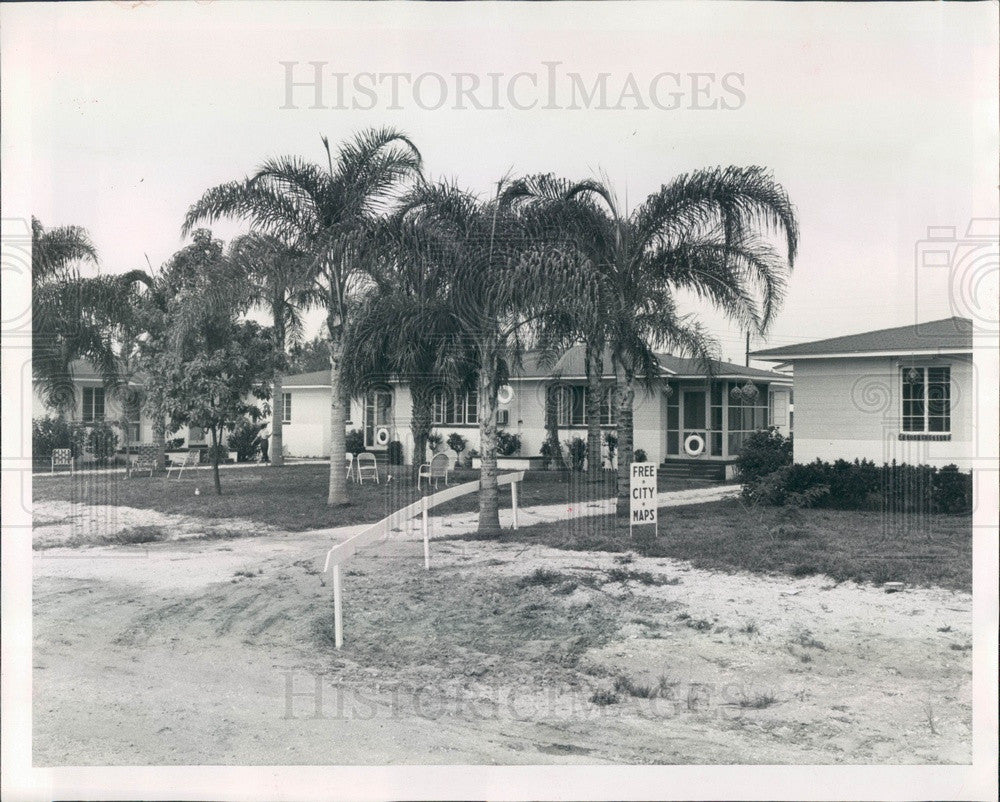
(513, 501)
(338, 621)
(427, 545)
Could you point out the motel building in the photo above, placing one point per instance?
(905, 394)
(691, 426)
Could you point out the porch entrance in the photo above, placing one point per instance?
(694, 417)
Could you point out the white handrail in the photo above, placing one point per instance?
(342, 552)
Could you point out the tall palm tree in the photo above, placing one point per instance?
(328, 213)
(406, 327)
(66, 321)
(706, 232)
(503, 288)
(279, 280)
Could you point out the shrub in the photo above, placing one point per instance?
(434, 441)
(395, 452)
(176, 443)
(577, 449)
(354, 442)
(862, 485)
(102, 442)
(458, 444)
(550, 453)
(639, 455)
(245, 440)
(48, 434)
(762, 453)
(211, 452)
(508, 443)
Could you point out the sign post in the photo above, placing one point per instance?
(642, 496)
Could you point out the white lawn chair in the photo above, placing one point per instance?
(62, 458)
(438, 468)
(192, 458)
(350, 465)
(144, 460)
(367, 466)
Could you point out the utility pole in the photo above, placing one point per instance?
(748, 350)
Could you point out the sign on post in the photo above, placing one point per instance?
(642, 494)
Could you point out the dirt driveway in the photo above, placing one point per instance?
(215, 651)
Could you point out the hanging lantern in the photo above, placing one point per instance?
(749, 391)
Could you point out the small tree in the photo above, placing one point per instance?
(458, 444)
(354, 442)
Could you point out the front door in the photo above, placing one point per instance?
(694, 417)
(378, 406)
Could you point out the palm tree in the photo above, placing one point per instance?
(279, 277)
(503, 288)
(406, 327)
(703, 232)
(328, 213)
(66, 320)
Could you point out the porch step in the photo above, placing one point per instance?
(692, 469)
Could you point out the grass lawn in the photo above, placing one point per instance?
(729, 536)
(293, 498)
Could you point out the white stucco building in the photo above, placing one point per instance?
(904, 394)
(682, 403)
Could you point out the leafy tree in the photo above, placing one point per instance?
(328, 213)
(309, 356)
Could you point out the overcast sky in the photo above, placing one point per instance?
(879, 120)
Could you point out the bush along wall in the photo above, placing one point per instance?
(863, 485)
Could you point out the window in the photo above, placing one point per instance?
(93, 403)
(748, 412)
(673, 418)
(286, 407)
(573, 405)
(926, 400)
(455, 408)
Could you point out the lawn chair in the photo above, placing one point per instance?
(62, 458)
(144, 460)
(192, 458)
(350, 465)
(367, 466)
(438, 468)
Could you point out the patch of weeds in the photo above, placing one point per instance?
(805, 638)
(625, 559)
(960, 647)
(244, 574)
(944, 629)
(756, 700)
(749, 628)
(805, 569)
(222, 534)
(565, 588)
(541, 576)
(787, 531)
(699, 624)
(354, 572)
(603, 698)
(643, 577)
(630, 687)
(307, 565)
(135, 535)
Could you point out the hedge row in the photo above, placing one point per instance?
(863, 485)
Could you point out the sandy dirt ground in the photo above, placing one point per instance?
(216, 649)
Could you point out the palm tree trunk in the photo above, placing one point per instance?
(215, 461)
(556, 461)
(337, 494)
(489, 496)
(624, 397)
(277, 413)
(595, 371)
(277, 395)
(421, 421)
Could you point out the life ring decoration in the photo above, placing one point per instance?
(382, 436)
(694, 444)
(505, 394)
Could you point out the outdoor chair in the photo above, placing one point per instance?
(367, 466)
(192, 458)
(62, 458)
(438, 468)
(350, 465)
(144, 460)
